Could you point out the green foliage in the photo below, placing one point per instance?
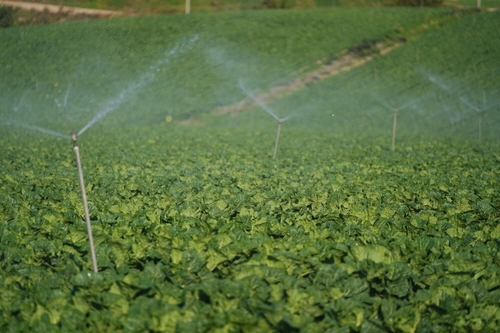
(6, 16)
(262, 48)
(198, 229)
(351, 3)
(178, 6)
(473, 3)
(418, 3)
(458, 56)
(278, 4)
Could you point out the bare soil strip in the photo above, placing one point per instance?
(458, 6)
(55, 9)
(345, 61)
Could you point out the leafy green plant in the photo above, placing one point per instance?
(418, 3)
(196, 230)
(6, 16)
(273, 46)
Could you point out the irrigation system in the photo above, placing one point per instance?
(270, 112)
(396, 110)
(394, 125)
(277, 138)
(480, 113)
(76, 149)
(478, 110)
(110, 106)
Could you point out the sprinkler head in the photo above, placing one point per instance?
(280, 120)
(73, 137)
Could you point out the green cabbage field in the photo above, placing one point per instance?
(198, 228)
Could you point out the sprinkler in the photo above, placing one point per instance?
(463, 100)
(270, 112)
(39, 129)
(396, 110)
(393, 145)
(277, 137)
(146, 78)
(479, 123)
(111, 105)
(479, 114)
(84, 199)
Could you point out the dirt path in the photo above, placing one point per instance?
(458, 6)
(55, 9)
(345, 61)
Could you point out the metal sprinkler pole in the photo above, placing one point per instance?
(393, 146)
(479, 120)
(277, 138)
(85, 204)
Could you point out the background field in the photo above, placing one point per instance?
(447, 72)
(170, 6)
(203, 75)
(154, 6)
(198, 228)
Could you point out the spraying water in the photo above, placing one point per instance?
(438, 82)
(21, 99)
(463, 100)
(396, 110)
(259, 102)
(412, 102)
(404, 106)
(480, 111)
(39, 129)
(112, 104)
(434, 79)
(270, 112)
(65, 103)
(383, 103)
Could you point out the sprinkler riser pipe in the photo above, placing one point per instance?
(479, 122)
(393, 145)
(277, 139)
(85, 204)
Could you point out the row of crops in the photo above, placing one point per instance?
(197, 228)
(200, 230)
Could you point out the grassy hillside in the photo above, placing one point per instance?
(147, 68)
(448, 74)
(473, 3)
(172, 6)
(199, 229)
